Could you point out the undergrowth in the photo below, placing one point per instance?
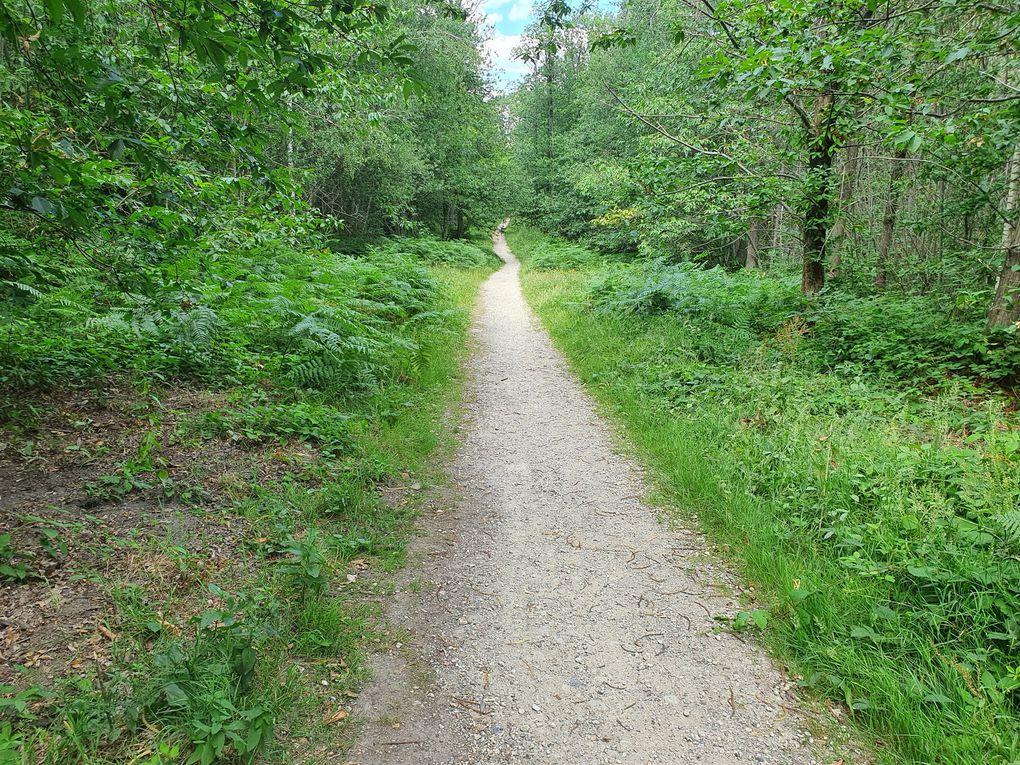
(337, 367)
(850, 458)
(450, 252)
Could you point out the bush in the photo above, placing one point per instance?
(902, 339)
(270, 308)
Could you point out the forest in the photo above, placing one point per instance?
(240, 245)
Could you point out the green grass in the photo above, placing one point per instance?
(872, 520)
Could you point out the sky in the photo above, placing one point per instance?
(507, 18)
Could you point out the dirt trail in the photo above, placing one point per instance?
(552, 619)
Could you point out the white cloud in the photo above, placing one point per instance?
(520, 10)
(499, 49)
(488, 6)
(492, 15)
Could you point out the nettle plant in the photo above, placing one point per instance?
(304, 561)
(208, 689)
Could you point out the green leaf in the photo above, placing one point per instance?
(866, 633)
(799, 594)
(921, 572)
(175, 695)
(55, 9)
(77, 9)
(884, 612)
(957, 54)
(43, 206)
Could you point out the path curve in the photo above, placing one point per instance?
(551, 617)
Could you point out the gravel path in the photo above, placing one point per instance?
(551, 617)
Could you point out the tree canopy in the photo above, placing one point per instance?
(870, 141)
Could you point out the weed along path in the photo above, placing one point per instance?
(550, 618)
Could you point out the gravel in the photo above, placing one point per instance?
(553, 619)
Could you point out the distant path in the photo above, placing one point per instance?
(553, 619)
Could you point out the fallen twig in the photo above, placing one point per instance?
(637, 641)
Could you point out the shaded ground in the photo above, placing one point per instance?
(81, 536)
(550, 617)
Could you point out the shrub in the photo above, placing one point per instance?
(304, 317)
(912, 339)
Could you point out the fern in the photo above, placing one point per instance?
(318, 372)
(197, 326)
(26, 288)
(1009, 526)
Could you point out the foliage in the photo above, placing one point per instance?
(160, 172)
(313, 319)
(436, 252)
(871, 146)
(127, 125)
(915, 340)
(14, 563)
(305, 562)
(429, 159)
(744, 300)
(560, 255)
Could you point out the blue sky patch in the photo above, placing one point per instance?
(507, 19)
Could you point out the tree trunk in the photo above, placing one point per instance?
(460, 224)
(848, 182)
(1005, 309)
(751, 251)
(892, 201)
(550, 57)
(821, 151)
(777, 230)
